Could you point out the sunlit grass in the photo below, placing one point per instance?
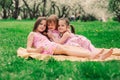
(101, 34)
(13, 34)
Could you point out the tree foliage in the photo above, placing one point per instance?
(114, 6)
(5, 6)
(32, 11)
(87, 9)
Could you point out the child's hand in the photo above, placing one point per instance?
(40, 49)
(69, 30)
(49, 34)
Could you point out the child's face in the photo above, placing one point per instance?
(42, 26)
(51, 26)
(62, 27)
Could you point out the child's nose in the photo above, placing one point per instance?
(42, 25)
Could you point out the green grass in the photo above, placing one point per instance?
(13, 34)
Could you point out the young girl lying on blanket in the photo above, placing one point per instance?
(59, 32)
(39, 43)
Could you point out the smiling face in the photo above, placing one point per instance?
(51, 26)
(42, 26)
(62, 27)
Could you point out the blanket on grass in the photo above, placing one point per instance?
(21, 52)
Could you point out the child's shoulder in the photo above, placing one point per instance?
(32, 33)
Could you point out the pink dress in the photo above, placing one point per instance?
(42, 41)
(76, 40)
(55, 33)
(80, 41)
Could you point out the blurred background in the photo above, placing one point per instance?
(84, 10)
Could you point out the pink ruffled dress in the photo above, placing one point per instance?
(42, 41)
(76, 40)
(80, 41)
(55, 33)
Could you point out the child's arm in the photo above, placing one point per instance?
(30, 42)
(65, 36)
(50, 35)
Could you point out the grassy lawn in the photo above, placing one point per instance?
(13, 34)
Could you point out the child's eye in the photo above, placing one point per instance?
(40, 24)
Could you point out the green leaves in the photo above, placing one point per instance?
(5, 3)
(114, 6)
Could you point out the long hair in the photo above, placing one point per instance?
(68, 24)
(38, 21)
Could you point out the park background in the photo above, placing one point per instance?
(98, 20)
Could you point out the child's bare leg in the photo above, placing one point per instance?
(107, 54)
(97, 53)
(72, 51)
(35, 50)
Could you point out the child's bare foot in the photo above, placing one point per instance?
(107, 54)
(97, 55)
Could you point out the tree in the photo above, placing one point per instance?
(5, 4)
(34, 10)
(24, 12)
(44, 7)
(16, 10)
(65, 9)
(53, 8)
(114, 6)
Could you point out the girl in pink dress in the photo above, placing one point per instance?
(71, 39)
(39, 43)
(52, 24)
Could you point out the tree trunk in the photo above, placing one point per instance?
(44, 7)
(4, 14)
(17, 10)
(58, 10)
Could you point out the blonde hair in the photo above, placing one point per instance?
(53, 18)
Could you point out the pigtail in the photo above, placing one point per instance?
(72, 29)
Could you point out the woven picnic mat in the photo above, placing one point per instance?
(21, 52)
